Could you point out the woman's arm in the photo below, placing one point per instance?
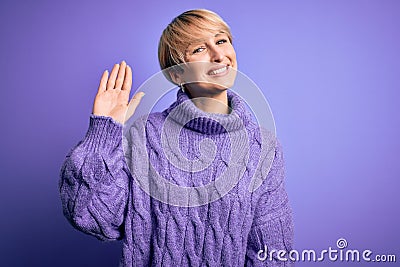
(272, 229)
(94, 182)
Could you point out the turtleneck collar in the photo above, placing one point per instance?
(185, 112)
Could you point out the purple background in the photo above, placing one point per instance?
(329, 69)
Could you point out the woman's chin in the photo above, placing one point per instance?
(224, 81)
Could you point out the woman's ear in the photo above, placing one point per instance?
(176, 75)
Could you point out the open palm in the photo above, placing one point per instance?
(112, 98)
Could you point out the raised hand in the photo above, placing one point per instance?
(112, 98)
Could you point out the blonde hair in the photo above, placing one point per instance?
(187, 28)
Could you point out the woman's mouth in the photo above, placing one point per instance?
(218, 72)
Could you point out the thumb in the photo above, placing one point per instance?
(133, 105)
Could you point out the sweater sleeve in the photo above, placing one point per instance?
(94, 181)
(271, 236)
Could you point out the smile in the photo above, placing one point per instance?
(218, 71)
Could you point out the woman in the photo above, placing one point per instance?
(99, 188)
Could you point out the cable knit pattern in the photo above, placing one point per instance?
(101, 197)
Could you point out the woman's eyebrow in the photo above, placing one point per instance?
(202, 40)
(219, 34)
(195, 44)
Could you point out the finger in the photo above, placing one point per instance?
(103, 82)
(133, 104)
(136, 100)
(127, 85)
(121, 75)
(128, 79)
(113, 76)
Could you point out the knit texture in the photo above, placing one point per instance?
(101, 197)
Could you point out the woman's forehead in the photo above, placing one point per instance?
(206, 35)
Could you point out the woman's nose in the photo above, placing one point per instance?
(217, 54)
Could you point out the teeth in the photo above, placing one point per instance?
(218, 71)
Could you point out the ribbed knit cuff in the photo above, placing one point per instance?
(104, 134)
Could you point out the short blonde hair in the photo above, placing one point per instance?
(185, 29)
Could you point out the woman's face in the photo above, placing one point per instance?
(211, 65)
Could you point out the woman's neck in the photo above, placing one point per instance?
(212, 103)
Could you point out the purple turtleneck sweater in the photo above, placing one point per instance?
(102, 194)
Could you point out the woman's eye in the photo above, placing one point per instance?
(198, 50)
(221, 41)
